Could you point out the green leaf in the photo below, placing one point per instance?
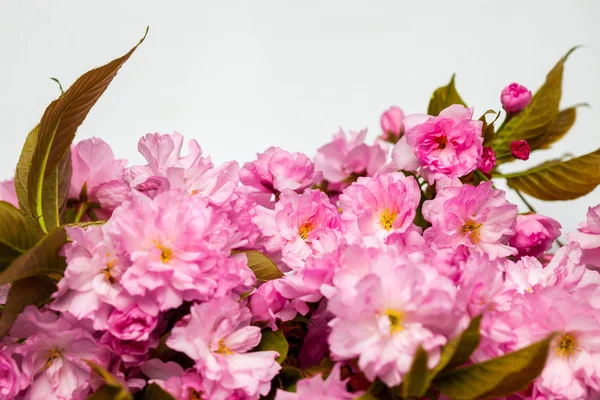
(155, 392)
(58, 127)
(415, 382)
(444, 97)
(564, 121)
(35, 290)
(42, 259)
(556, 180)
(263, 267)
(488, 132)
(119, 390)
(289, 377)
(274, 341)
(16, 236)
(459, 350)
(85, 224)
(55, 191)
(22, 173)
(105, 393)
(533, 123)
(497, 377)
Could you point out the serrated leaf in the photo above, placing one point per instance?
(497, 377)
(58, 127)
(537, 118)
(563, 123)
(120, 391)
(415, 382)
(55, 191)
(155, 392)
(22, 173)
(16, 236)
(85, 224)
(275, 341)
(35, 290)
(487, 131)
(444, 97)
(41, 259)
(559, 180)
(263, 267)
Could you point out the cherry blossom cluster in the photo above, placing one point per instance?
(379, 249)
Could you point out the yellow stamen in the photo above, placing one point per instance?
(305, 229)
(223, 349)
(442, 141)
(387, 219)
(109, 266)
(396, 318)
(193, 394)
(566, 346)
(194, 192)
(51, 356)
(472, 228)
(166, 253)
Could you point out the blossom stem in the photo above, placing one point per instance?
(81, 209)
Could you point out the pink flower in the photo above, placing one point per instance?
(515, 98)
(183, 385)
(178, 249)
(385, 306)
(131, 324)
(296, 224)
(316, 388)
(52, 356)
(534, 234)
(267, 304)
(479, 218)
(380, 205)
(488, 160)
(8, 192)
(11, 381)
(276, 170)
(391, 124)
(218, 336)
(131, 352)
(589, 236)
(344, 159)
(447, 145)
(194, 174)
(520, 149)
(94, 165)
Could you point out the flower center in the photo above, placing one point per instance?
(396, 318)
(166, 254)
(193, 394)
(472, 229)
(566, 347)
(223, 349)
(442, 141)
(51, 356)
(387, 219)
(305, 229)
(110, 263)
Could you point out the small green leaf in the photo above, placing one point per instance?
(498, 377)
(41, 259)
(263, 267)
(459, 350)
(564, 121)
(488, 132)
(105, 393)
(35, 290)
(58, 127)
(559, 180)
(54, 192)
(415, 382)
(22, 174)
(155, 392)
(16, 235)
(120, 391)
(533, 123)
(444, 97)
(85, 224)
(274, 341)
(289, 377)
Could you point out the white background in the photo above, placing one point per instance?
(240, 76)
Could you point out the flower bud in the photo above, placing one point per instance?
(520, 149)
(391, 124)
(515, 98)
(488, 160)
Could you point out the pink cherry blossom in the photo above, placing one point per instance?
(131, 324)
(94, 165)
(178, 249)
(589, 236)
(447, 145)
(385, 306)
(391, 124)
(8, 192)
(379, 206)
(182, 385)
(295, 223)
(11, 380)
(343, 160)
(276, 170)
(52, 356)
(267, 304)
(488, 160)
(515, 98)
(534, 234)
(317, 388)
(479, 218)
(218, 336)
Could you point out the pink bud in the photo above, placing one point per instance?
(391, 124)
(488, 160)
(520, 149)
(515, 98)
